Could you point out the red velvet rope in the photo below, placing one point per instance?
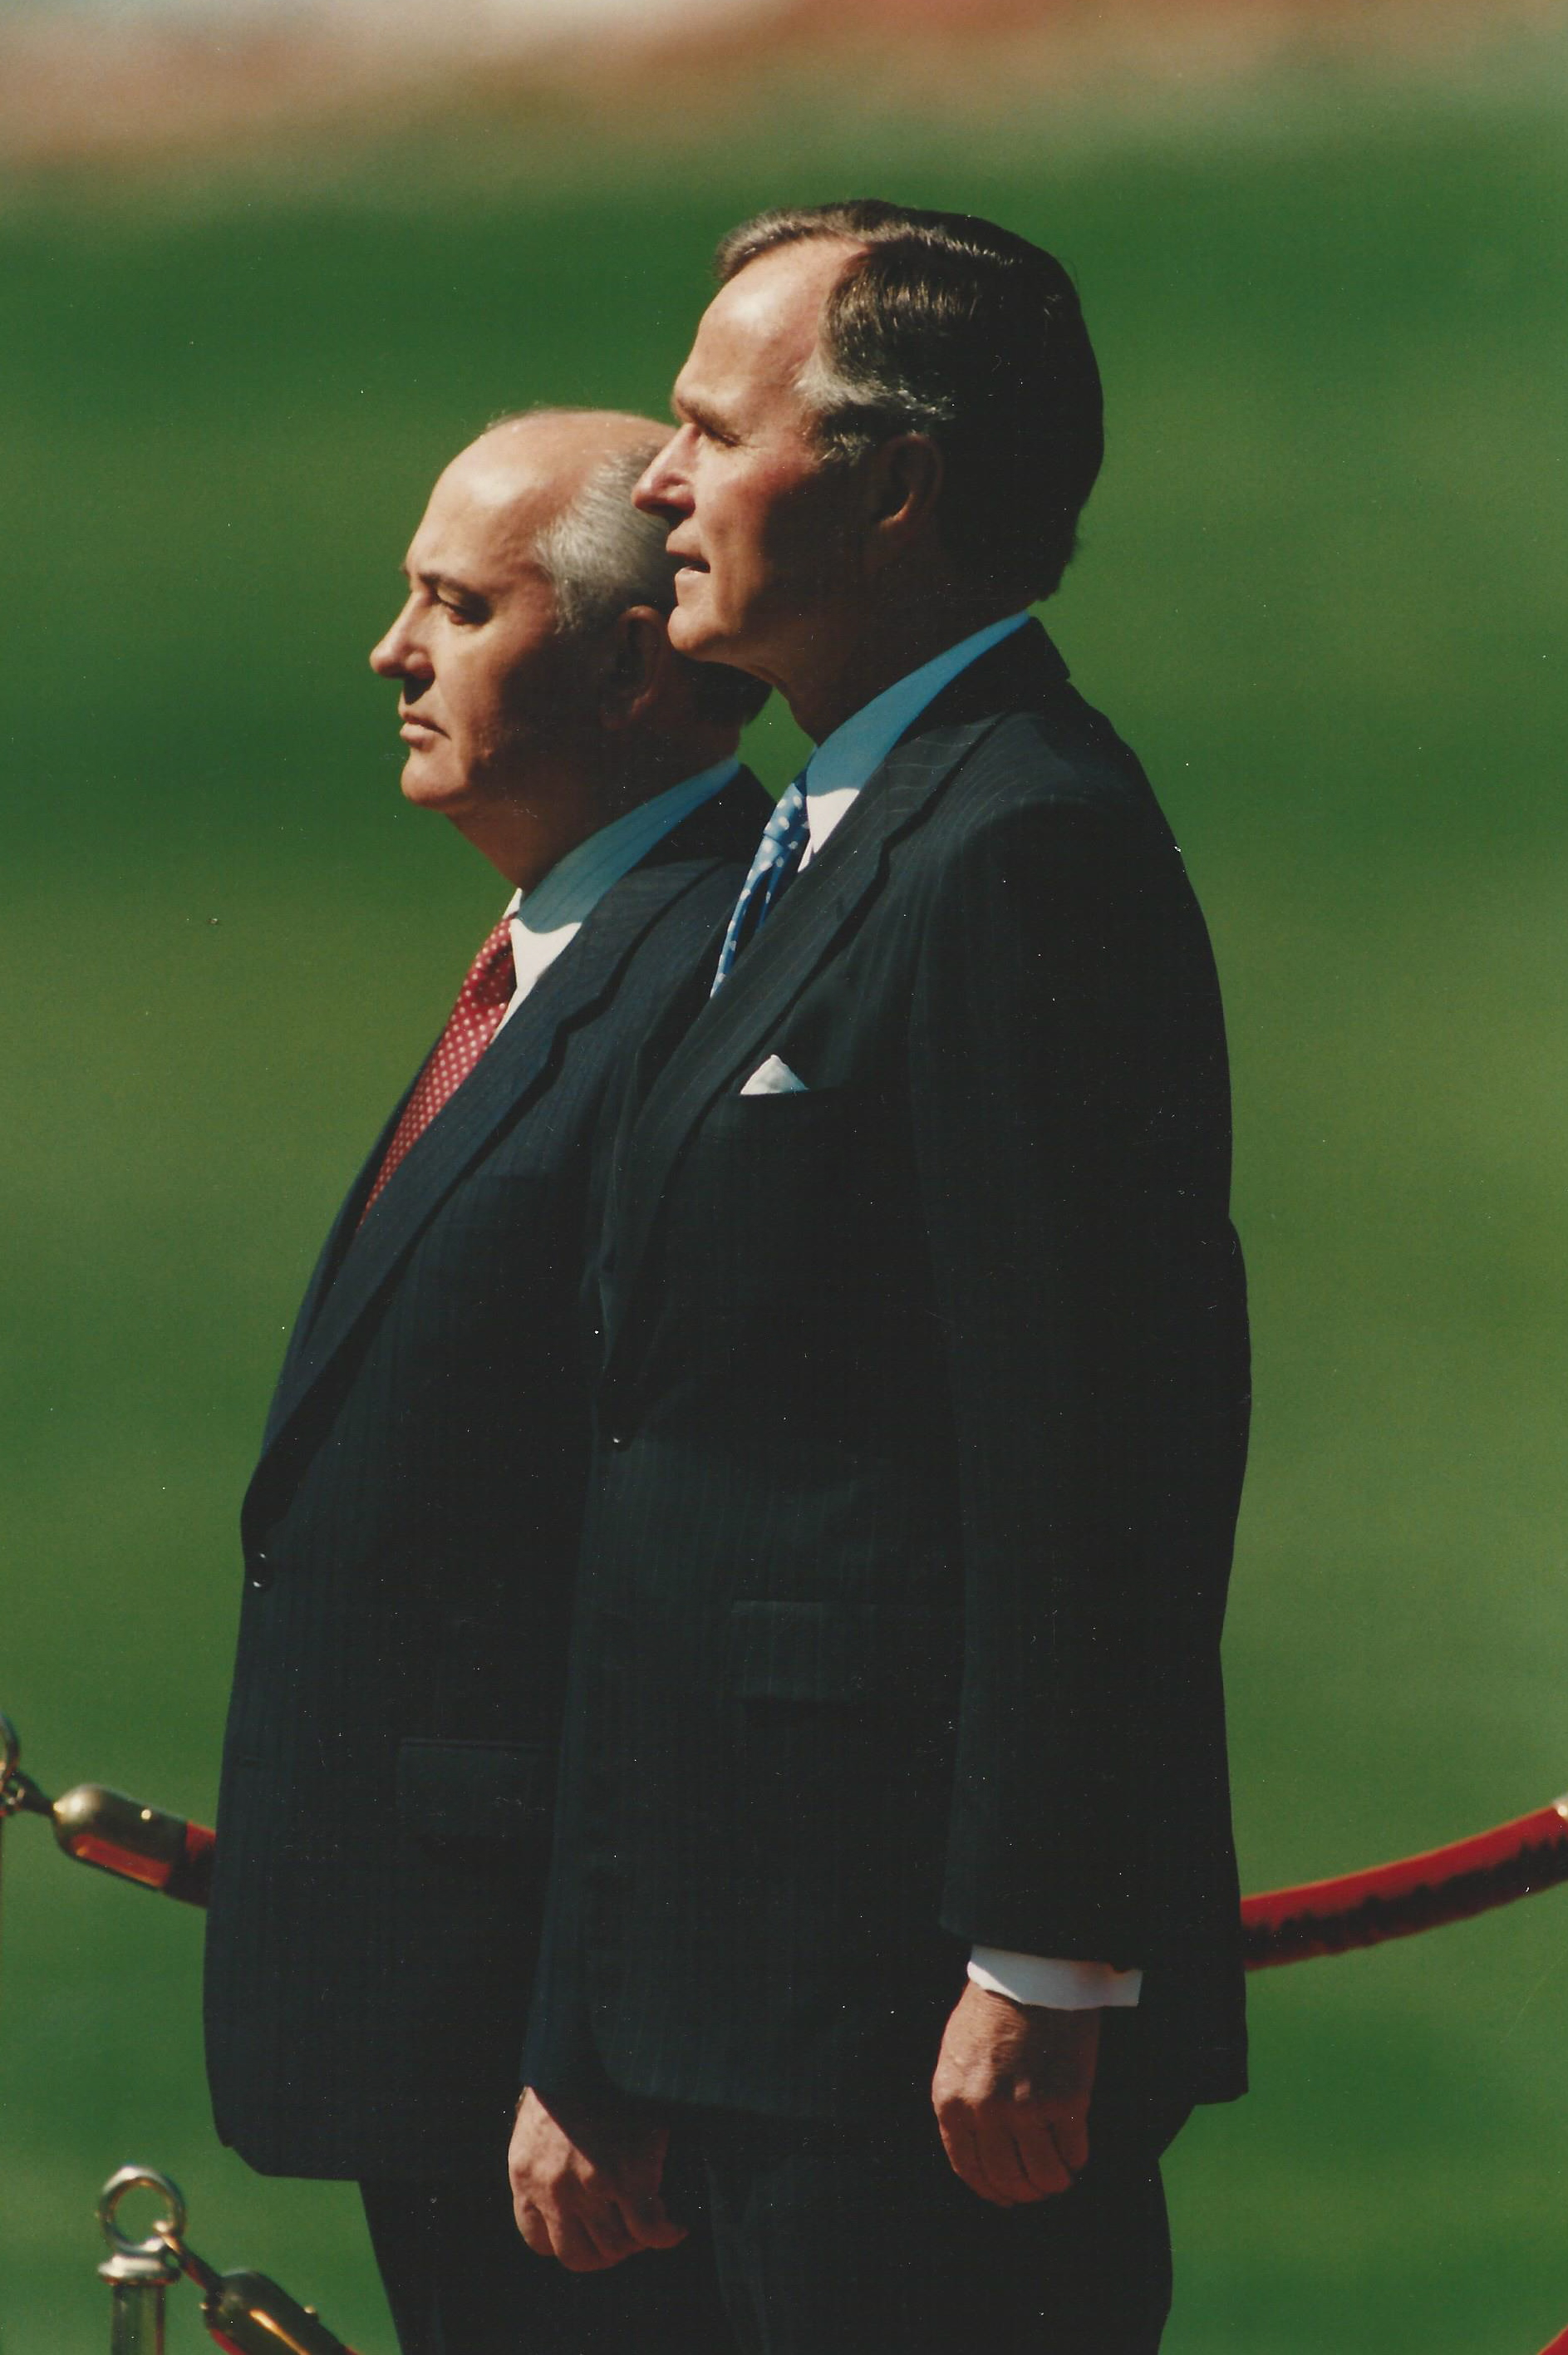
(1282, 1925)
(1329, 1917)
(1418, 1892)
(1319, 1917)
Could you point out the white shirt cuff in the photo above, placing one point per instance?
(1058, 1986)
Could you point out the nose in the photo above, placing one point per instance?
(664, 489)
(398, 655)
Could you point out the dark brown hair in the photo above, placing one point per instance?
(949, 326)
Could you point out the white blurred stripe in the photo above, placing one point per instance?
(481, 23)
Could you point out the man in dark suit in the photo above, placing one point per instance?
(895, 1738)
(411, 1530)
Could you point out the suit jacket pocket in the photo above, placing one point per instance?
(485, 1791)
(738, 1116)
(822, 1651)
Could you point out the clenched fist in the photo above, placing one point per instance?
(1011, 2096)
(585, 2185)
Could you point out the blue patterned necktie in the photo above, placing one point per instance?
(778, 854)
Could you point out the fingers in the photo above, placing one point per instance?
(1042, 2161)
(586, 2191)
(957, 2128)
(589, 2227)
(577, 2249)
(624, 2224)
(550, 2234)
(533, 2228)
(653, 2225)
(1005, 2151)
(583, 2236)
(595, 2218)
(1071, 2131)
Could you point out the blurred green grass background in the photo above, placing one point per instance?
(1321, 593)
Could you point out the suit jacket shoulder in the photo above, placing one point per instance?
(728, 827)
(1040, 745)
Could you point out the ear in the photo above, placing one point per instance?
(903, 487)
(638, 661)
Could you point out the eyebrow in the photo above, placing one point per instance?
(688, 407)
(430, 577)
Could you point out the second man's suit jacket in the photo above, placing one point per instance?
(411, 1536)
(921, 1414)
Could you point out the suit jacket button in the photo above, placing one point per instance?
(618, 1438)
(260, 1576)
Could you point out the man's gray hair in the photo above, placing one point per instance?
(601, 554)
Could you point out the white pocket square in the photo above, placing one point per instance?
(775, 1078)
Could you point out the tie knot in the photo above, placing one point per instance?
(491, 979)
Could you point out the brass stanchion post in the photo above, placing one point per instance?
(245, 2313)
(10, 1797)
(139, 2272)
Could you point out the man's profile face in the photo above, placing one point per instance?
(487, 685)
(766, 531)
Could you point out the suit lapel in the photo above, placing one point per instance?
(728, 1032)
(668, 1098)
(461, 1133)
(339, 1236)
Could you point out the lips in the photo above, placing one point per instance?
(416, 720)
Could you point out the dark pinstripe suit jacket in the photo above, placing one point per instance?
(410, 1535)
(922, 1420)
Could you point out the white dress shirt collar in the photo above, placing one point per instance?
(843, 761)
(547, 919)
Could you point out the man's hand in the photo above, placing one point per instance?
(1011, 2096)
(585, 2186)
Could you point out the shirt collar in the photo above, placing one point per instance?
(844, 761)
(575, 884)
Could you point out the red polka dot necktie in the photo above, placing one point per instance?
(471, 1024)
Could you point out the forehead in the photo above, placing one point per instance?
(760, 329)
(485, 513)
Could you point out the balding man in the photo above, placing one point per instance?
(411, 1527)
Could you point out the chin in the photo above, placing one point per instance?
(425, 790)
(692, 630)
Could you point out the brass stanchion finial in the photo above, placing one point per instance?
(111, 1832)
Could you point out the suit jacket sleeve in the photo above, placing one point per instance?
(1069, 1114)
